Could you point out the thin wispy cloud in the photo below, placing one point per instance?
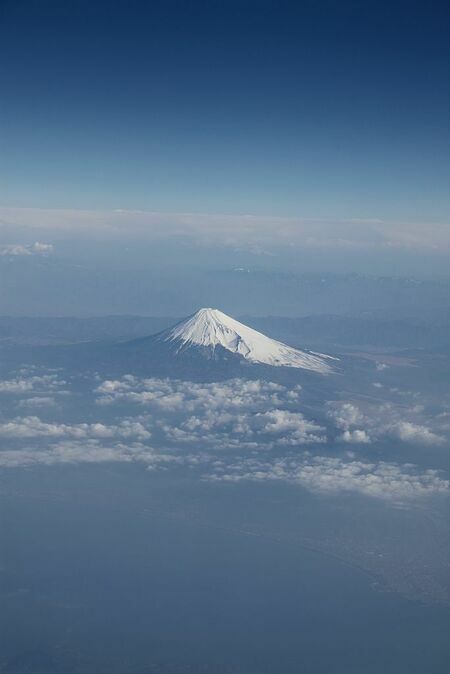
(245, 231)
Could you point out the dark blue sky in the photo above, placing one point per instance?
(336, 109)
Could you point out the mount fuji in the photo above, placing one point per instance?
(210, 334)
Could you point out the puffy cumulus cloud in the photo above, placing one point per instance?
(408, 424)
(16, 386)
(356, 436)
(260, 422)
(33, 427)
(172, 395)
(18, 249)
(347, 415)
(215, 432)
(291, 427)
(230, 414)
(325, 474)
(258, 413)
(410, 432)
(24, 383)
(247, 430)
(76, 451)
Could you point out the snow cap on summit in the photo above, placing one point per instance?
(212, 328)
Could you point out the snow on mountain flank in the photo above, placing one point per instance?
(211, 328)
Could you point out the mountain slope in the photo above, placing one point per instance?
(211, 332)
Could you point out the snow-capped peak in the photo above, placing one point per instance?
(212, 328)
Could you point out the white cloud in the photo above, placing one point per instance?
(347, 415)
(382, 480)
(25, 384)
(291, 427)
(173, 395)
(410, 432)
(250, 418)
(356, 436)
(16, 386)
(408, 424)
(39, 248)
(86, 451)
(38, 401)
(18, 249)
(33, 427)
(251, 232)
(248, 430)
(228, 414)
(257, 413)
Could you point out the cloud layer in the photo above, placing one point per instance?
(230, 414)
(247, 231)
(230, 431)
(329, 474)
